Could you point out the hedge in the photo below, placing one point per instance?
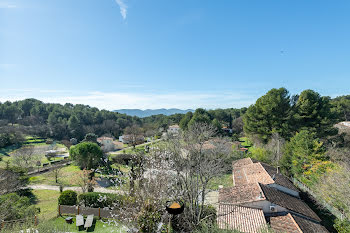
(68, 197)
(96, 199)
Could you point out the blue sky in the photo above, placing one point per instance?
(164, 53)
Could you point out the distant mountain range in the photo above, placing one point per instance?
(150, 112)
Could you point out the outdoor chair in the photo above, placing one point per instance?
(88, 222)
(79, 220)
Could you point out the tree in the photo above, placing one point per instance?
(303, 154)
(11, 180)
(200, 116)
(25, 157)
(341, 105)
(87, 155)
(313, 113)
(57, 172)
(13, 207)
(86, 180)
(185, 120)
(270, 114)
(12, 113)
(197, 157)
(133, 135)
(75, 127)
(136, 164)
(90, 137)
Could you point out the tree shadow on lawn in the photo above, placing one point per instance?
(28, 193)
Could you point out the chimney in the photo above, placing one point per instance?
(278, 169)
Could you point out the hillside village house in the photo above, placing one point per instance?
(174, 129)
(106, 143)
(261, 195)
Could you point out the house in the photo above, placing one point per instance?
(246, 171)
(345, 123)
(174, 129)
(261, 188)
(106, 143)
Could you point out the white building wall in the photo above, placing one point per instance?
(265, 206)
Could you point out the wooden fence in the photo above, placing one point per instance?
(6, 224)
(75, 210)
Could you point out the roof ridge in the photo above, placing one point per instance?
(296, 224)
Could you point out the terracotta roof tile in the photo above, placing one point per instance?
(289, 202)
(241, 162)
(240, 218)
(279, 178)
(241, 194)
(284, 223)
(308, 226)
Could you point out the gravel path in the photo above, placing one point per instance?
(77, 189)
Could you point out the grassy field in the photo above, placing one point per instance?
(68, 177)
(98, 226)
(5, 153)
(47, 202)
(224, 180)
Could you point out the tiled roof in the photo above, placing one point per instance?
(308, 226)
(289, 202)
(291, 223)
(241, 162)
(104, 138)
(284, 223)
(241, 194)
(240, 218)
(251, 173)
(279, 178)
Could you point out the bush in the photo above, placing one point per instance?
(13, 206)
(122, 159)
(149, 220)
(68, 197)
(342, 226)
(95, 199)
(49, 141)
(180, 223)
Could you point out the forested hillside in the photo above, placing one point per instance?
(56, 121)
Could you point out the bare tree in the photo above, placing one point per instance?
(57, 172)
(197, 157)
(10, 181)
(86, 180)
(275, 145)
(25, 157)
(133, 135)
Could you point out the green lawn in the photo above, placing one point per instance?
(6, 152)
(98, 226)
(47, 202)
(224, 180)
(68, 177)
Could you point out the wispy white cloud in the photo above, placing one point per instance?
(118, 100)
(123, 8)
